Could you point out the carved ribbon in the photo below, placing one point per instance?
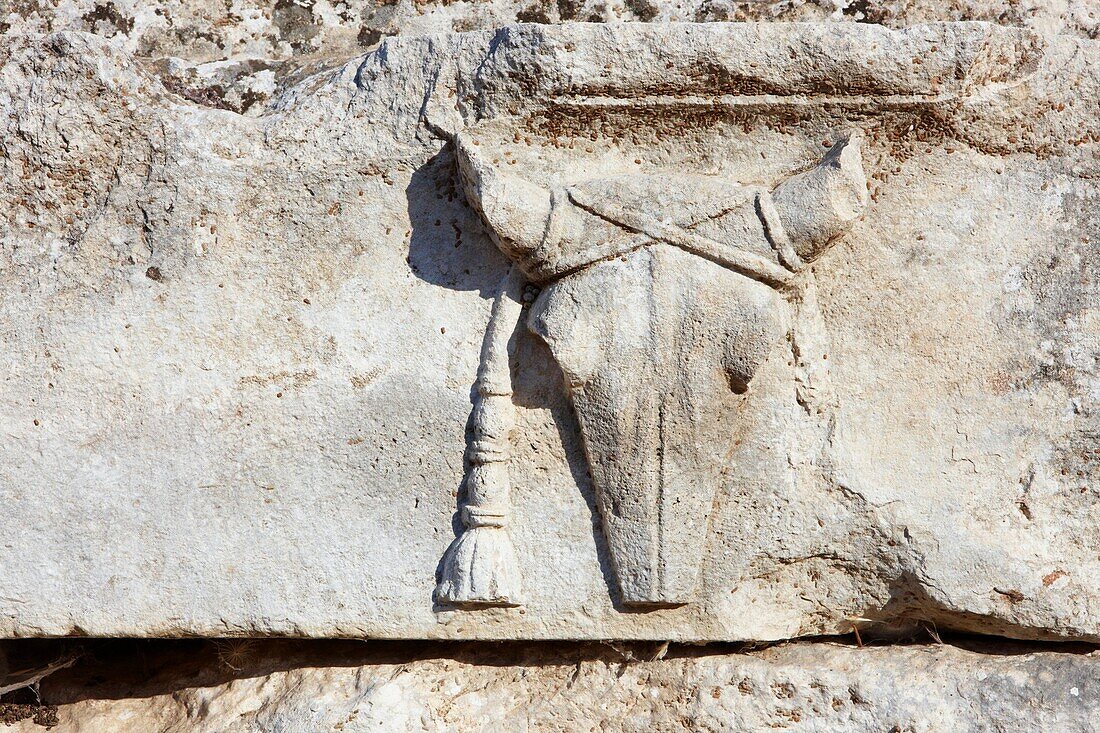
(728, 256)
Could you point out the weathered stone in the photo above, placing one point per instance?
(205, 31)
(238, 352)
(253, 686)
(238, 55)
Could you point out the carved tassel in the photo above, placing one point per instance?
(480, 567)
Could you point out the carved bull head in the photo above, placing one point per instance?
(661, 296)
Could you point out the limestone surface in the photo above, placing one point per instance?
(239, 352)
(241, 55)
(245, 687)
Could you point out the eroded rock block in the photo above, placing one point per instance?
(712, 332)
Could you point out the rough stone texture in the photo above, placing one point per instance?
(255, 686)
(238, 352)
(236, 55)
(203, 31)
(210, 324)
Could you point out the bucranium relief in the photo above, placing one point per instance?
(660, 296)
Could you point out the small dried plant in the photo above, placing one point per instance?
(234, 654)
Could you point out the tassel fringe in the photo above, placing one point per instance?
(480, 569)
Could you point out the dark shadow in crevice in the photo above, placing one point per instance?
(113, 669)
(912, 615)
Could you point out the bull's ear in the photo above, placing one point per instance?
(821, 204)
(515, 210)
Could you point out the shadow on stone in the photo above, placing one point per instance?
(449, 247)
(116, 669)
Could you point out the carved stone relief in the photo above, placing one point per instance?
(708, 332)
(661, 296)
